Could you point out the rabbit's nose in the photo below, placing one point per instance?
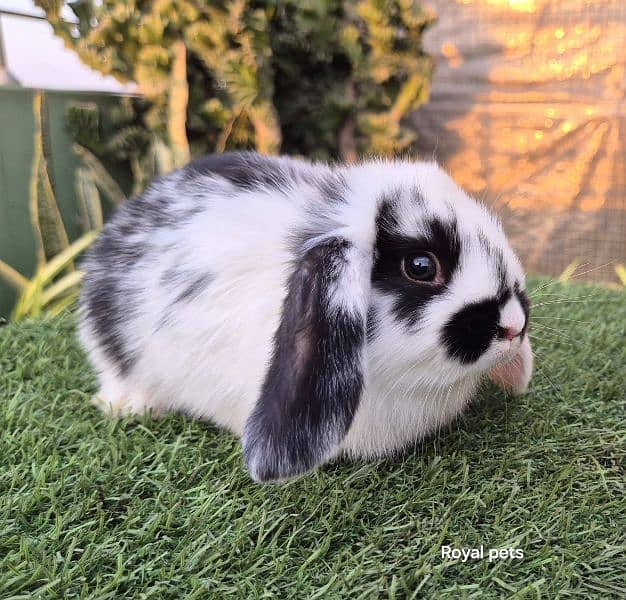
(512, 320)
(508, 333)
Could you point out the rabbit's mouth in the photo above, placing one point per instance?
(514, 373)
(507, 349)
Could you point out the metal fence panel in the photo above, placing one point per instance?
(17, 244)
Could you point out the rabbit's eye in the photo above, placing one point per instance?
(420, 267)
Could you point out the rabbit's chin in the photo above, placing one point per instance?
(514, 373)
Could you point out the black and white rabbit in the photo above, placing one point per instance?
(313, 310)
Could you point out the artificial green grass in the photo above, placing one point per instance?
(93, 508)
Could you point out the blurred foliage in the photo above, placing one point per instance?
(117, 135)
(322, 78)
(55, 284)
(49, 231)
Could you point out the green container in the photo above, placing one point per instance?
(17, 243)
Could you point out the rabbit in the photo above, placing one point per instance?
(317, 311)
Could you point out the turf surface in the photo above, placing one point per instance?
(98, 509)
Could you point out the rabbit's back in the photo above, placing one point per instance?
(183, 288)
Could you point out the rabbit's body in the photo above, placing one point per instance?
(203, 296)
(177, 284)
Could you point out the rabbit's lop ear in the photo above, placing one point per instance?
(315, 378)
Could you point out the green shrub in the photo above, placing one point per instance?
(323, 78)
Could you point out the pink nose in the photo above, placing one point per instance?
(509, 333)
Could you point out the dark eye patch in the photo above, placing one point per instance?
(441, 238)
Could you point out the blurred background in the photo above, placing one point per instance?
(527, 110)
(521, 100)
